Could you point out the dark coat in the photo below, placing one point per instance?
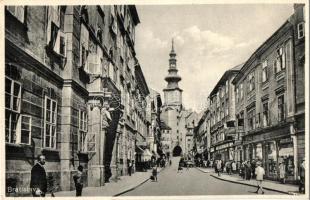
(38, 178)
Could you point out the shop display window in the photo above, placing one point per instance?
(272, 158)
(286, 155)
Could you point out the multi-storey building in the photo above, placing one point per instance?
(70, 78)
(270, 100)
(222, 116)
(166, 141)
(202, 135)
(154, 103)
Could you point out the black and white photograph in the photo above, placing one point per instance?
(155, 99)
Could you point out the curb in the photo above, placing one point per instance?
(134, 187)
(267, 188)
(222, 179)
(202, 170)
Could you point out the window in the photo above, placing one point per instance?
(18, 12)
(281, 108)
(84, 47)
(226, 87)
(237, 94)
(12, 109)
(251, 119)
(50, 119)
(56, 38)
(279, 63)
(301, 30)
(241, 91)
(251, 81)
(265, 114)
(265, 72)
(82, 140)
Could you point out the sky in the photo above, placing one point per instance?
(208, 39)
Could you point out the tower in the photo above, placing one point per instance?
(172, 93)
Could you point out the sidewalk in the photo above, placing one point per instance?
(125, 184)
(268, 184)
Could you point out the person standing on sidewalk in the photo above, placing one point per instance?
(78, 181)
(301, 177)
(234, 167)
(248, 170)
(129, 168)
(282, 172)
(219, 167)
(154, 173)
(259, 172)
(38, 182)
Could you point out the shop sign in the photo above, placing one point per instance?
(223, 146)
(285, 140)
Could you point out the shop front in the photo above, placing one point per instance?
(224, 151)
(276, 151)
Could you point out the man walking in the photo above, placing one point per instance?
(259, 172)
(78, 181)
(38, 182)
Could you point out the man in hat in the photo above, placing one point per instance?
(259, 172)
(38, 182)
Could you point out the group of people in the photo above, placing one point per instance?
(254, 170)
(39, 181)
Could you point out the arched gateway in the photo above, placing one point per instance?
(177, 151)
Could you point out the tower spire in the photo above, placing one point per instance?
(172, 45)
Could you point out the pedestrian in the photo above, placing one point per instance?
(242, 170)
(234, 167)
(180, 166)
(219, 167)
(282, 172)
(129, 168)
(222, 166)
(248, 170)
(228, 167)
(38, 182)
(259, 172)
(154, 173)
(301, 177)
(78, 181)
(170, 162)
(253, 166)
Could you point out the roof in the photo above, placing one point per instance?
(281, 30)
(233, 70)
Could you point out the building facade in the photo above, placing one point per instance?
(270, 100)
(222, 117)
(72, 92)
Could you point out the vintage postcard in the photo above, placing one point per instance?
(155, 99)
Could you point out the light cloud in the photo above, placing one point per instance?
(209, 39)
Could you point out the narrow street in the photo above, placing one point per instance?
(190, 182)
